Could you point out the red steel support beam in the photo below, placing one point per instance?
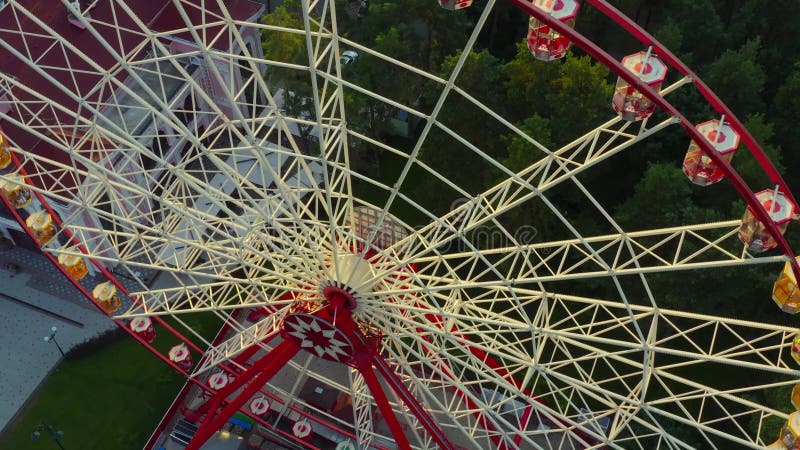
(241, 378)
(499, 443)
(364, 360)
(267, 367)
(416, 408)
(242, 358)
(385, 408)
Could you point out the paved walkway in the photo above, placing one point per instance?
(33, 298)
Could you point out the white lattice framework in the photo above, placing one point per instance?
(498, 339)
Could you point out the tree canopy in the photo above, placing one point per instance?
(745, 50)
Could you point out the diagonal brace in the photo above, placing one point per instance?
(266, 368)
(408, 398)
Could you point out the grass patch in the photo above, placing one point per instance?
(113, 398)
(110, 395)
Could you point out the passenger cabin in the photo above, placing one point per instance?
(697, 166)
(627, 101)
(545, 43)
(753, 233)
(786, 295)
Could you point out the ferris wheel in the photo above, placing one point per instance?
(165, 157)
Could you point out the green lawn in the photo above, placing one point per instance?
(110, 399)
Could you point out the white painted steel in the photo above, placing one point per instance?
(497, 339)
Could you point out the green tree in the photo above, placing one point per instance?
(368, 114)
(506, 26)
(741, 19)
(574, 94)
(662, 198)
(781, 40)
(520, 152)
(526, 84)
(785, 107)
(738, 78)
(422, 24)
(700, 25)
(778, 399)
(744, 162)
(558, 101)
(481, 77)
(591, 22)
(670, 35)
(380, 77)
(280, 46)
(579, 98)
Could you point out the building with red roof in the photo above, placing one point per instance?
(88, 84)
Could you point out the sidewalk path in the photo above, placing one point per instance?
(32, 300)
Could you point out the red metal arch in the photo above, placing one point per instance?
(664, 53)
(108, 275)
(599, 54)
(730, 173)
(191, 380)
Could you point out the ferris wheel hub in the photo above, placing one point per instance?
(350, 269)
(319, 335)
(329, 330)
(351, 279)
(338, 296)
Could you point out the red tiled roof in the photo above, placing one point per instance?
(208, 21)
(67, 67)
(57, 60)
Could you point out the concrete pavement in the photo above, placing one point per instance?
(34, 296)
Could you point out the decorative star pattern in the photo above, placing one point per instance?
(318, 337)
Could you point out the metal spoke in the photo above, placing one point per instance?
(172, 163)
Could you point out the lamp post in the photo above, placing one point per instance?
(52, 337)
(56, 435)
